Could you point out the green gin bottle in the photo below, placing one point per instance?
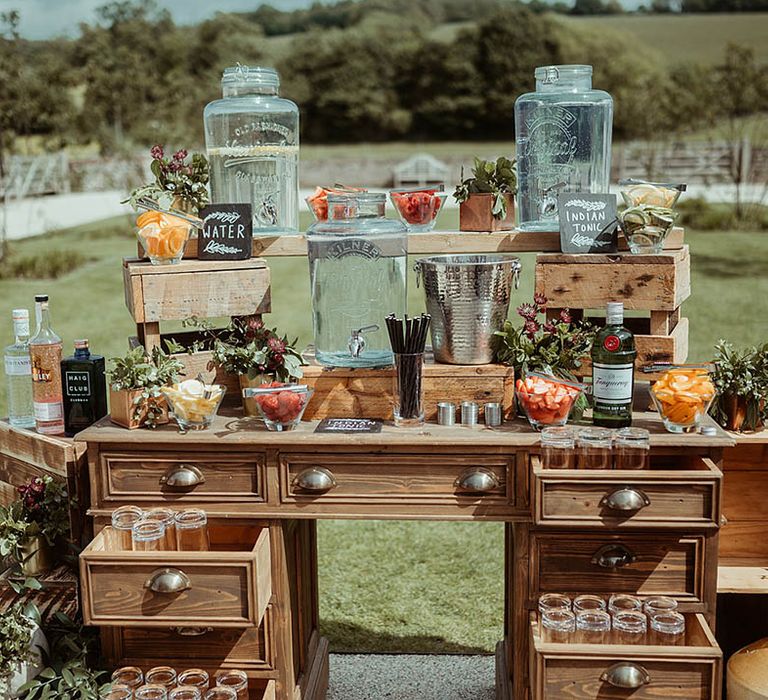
(613, 370)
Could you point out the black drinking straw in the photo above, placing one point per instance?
(408, 339)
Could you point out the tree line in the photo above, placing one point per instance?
(133, 77)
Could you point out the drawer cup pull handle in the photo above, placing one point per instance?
(626, 499)
(476, 480)
(613, 556)
(168, 581)
(314, 479)
(182, 476)
(626, 675)
(192, 631)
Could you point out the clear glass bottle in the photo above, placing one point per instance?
(18, 374)
(45, 355)
(563, 134)
(252, 141)
(357, 267)
(84, 384)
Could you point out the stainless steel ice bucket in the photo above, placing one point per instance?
(468, 298)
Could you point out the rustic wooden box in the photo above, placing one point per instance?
(475, 214)
(368, 393)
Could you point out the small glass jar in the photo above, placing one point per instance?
(630, 626)
(196, 677)
(148, 536)
(668, 629)
(192, 531)
(131, 676)
(594, 448)
(559, 625)
(221, 692)
(659, 604)
(236, 680)
(185, 692)
(151, 692)
(165, 516)
(116, 692)
(588, 603)
(623, 602)
(162, 675)
(558, 447)
(554, 601)
(632, 448)
(592, 626)
(123, 520)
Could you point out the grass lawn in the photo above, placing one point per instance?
(392, 586)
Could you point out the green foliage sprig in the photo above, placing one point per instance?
(498, 179)
(15, 636)
(742, 373)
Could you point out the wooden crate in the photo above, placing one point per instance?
(368, 393)
(156, 293)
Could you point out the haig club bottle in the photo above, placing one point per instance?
(613, 370)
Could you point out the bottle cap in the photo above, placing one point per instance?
(614, 312)
(81, 344)
(20, 314)
(41, 297)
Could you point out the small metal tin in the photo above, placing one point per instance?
(469, 413)
(708, 430)
(493, 414)
(446, 413)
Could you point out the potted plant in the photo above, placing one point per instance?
(135, 399)
(31, 525)
(557, 347)
(741, 381)
(22, 645)
(487, 199)
(256, 355)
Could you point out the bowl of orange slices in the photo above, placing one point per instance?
(682, 396)
(163, 236)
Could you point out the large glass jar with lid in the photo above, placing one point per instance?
(563, 134)
(357, 266)
(252, 141)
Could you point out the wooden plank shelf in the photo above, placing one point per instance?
(441, 242)
(748, 576)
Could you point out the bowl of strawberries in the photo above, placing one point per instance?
(280, 405)
(546, 400)
(418, 209)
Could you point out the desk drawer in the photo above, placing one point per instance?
(676, 492)
(648, 564)
(356, 479)
(578, 671)
(228, 586)
(141, 477)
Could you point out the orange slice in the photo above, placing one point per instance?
(176, 238)
(148, 217)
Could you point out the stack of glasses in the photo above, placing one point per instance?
(589, 620)
(163, 683)
(159, 529)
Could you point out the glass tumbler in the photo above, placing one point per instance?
(236, 680)
(592, 626)
(622, 602)
(131, 676)
(554, 601)
(192, 531)
(123, 520)
(162, 675)
(630, 625)
(116, 692)
(150, 692)
(166, 517)
(221, 692)
(148, 536)
(409, 389)
(659, 604)
(594, 448)
(560, 624)
(632, 448)
(588, 603)
(185, 692)
(558, 447)
(196, 677)
(668, 629)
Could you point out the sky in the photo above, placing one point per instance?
(42, 19)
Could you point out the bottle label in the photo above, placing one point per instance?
(612, 384)
(48, 412)
(18, 366)
(77, 386)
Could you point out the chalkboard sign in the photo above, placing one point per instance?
(588, 223)
(348, 425)
(227, 232)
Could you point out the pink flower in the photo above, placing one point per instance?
(527, 311)
(539, 300)
(180, 155)
(530, 328)
(549, 327)
(277, 346)
(565, 316)
(157, 152)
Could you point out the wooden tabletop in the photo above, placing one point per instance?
(52, 452)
